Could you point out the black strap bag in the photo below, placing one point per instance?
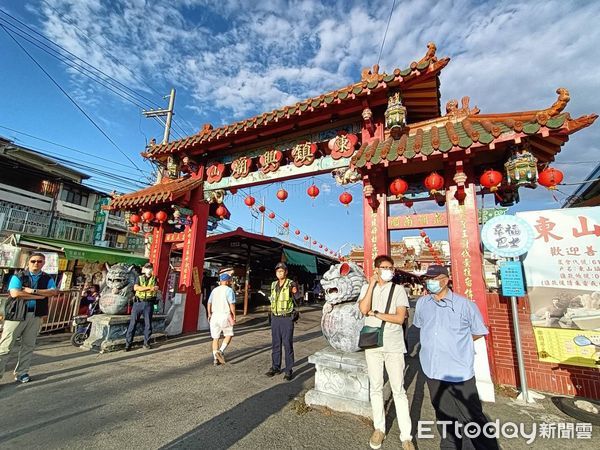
(372, 337)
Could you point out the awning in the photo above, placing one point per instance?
(83, 252)
(308, 262)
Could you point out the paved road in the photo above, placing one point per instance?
(172, 397)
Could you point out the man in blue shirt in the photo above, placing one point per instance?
(27, 305)
(449, 325)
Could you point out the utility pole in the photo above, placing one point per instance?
(161, 113)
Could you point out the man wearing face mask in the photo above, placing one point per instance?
(373, 302)
(145, 289)
(449, 325)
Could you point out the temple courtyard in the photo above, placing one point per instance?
(173, 397)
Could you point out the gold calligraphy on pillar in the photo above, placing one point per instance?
(464, 253)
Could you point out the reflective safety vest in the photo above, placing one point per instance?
(146, 282)
(282, 303)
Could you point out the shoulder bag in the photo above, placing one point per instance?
(372, 337)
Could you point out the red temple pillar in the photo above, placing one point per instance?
(375, 217)
(192, 263)
(159, 255)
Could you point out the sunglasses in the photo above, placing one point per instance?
(36, 261)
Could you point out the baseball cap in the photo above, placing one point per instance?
(435, 270)
(224, 277)
(281, 265)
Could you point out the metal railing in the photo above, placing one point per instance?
(61, 309)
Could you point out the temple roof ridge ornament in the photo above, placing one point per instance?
(371, 81)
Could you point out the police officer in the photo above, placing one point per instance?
(282, 295)
(146, 288)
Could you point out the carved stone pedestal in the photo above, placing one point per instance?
(341, 382)
(108, 332)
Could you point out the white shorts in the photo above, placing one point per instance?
(220, 325)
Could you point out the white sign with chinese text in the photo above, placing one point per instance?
(562, 270)
(507, 236)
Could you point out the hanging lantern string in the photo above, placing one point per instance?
(280, 223)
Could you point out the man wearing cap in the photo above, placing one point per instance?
(221, 315)
(449, 324)
(283, 291)
(145, 289)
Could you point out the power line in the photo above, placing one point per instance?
(71, 99)
(116, 60)
(63, 146)
(386, 30)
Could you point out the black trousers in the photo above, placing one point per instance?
(458, 403)
(282, 332)
(139, 309)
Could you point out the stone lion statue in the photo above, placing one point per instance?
(118, 289)
(342, 320)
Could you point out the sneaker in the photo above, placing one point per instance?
(216, 363)
(376, 439)
(25, 378)
(220, 357)
(127, 348)
(288, 376)
(272, 372)
(147, 346)
(408, 445)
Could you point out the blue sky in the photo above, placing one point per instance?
(230, 60)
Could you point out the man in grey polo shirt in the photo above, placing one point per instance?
(449, 325)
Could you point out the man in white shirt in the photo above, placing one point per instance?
(221, 316)
(373, 302)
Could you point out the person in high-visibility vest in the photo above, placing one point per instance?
(282, 295)
(146, 288)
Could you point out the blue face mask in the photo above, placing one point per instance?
(433, 286)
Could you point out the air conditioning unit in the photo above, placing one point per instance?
(32, 229)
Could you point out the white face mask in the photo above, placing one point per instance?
(386, 274)
(147, 272)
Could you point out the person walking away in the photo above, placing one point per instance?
(373, 302)
(450, 323)
(221, 316)
(25, 308)
(145, 288)
(282, 295)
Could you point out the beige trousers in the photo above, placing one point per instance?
(394, 364)
(27, 330)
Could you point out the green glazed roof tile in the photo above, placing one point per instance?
(393, 153)
(531, 127)
(405, 72)
(556, 122)
(357, 90)
(372, 84)
(427, 148)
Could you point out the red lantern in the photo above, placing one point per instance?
(161, 216)
(313, 191)
(282, 194)
(249, 201)
(346, 198)
(320, 245)
(491, 179)
(297, 232)
(409, 203)
(434, 182)
(306, 238)
(262, 208)
(550, 178)
(233, 191)
(147, 216)
(285, 224)
(134, 218)
(135, 229)
(398, 187)
(423, 234)
(221, 211)
(427, 240)
(314, 242)
(326, 249)
(271, 215)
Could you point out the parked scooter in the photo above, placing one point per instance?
(83, 326)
